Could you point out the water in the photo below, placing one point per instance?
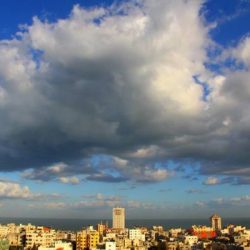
(78, 224)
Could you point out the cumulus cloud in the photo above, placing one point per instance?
(125, 82)
(200, 204)
(13, 190)
(48, 205)
(75, 98)
(226, 202)
(105, 169)
(60, 172)
(71, 180)
(212, 181)
(101, 200)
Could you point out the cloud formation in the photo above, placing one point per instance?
(124, 82)
(240, 201)
(100, 200)
(13, 190)
(211, 180)
(101, 169)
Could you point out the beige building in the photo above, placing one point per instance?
(136, 234)
(58, 245)
(12, 233)
(110, 245)
(216, 222)
(119, 218)
(39, 236)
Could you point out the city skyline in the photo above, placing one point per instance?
(139, 104)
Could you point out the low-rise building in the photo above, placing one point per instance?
(87, 239)
(190, 239)
(39, 236)
(58, 245)
(110, 245)
(136, 234)
(202, 232)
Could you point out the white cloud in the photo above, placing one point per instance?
(200, 204)
(222, 202)
(211, 180)
(71, 180)
(98, 200)
(242, 51)
(139, 172)
(14, 190)
(57, 168)
(48, 205)
(101, 200)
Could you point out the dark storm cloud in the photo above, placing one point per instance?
(58, 171)
(123, 88)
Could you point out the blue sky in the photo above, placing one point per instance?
(141, 104)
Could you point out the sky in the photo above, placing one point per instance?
(142, 104)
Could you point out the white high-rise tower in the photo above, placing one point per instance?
(216, 222)
(119, 217)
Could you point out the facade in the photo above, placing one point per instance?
(216, 223)
(190, 239)
(58, 245)
(81, 240)
(203, 232)
(136, 234)
(175, 231)
(93, 239)
(119, 218)
(87, 239)
(101, 228)
(110, 245)
(39, 236)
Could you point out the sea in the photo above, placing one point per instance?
(78, 224)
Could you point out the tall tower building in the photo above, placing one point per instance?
(216, 223)
(119, 217)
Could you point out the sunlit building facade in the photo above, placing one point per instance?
(216, 222)
(119, 218)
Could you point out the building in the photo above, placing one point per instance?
(119, 218)
(190, 239)
(216, 223)
(93, 239)
(101, 228)
(58, 245)
(110, 245)
(39, 236)
(136, 234)
(174, 232)
(87, 239)
(202, 232)
(81, 240)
